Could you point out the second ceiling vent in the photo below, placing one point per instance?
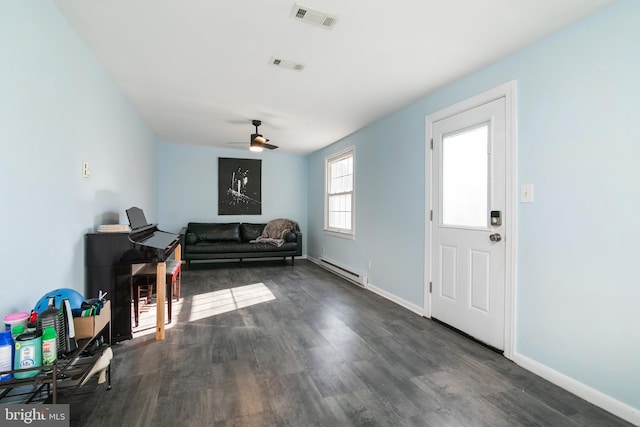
(284, 63)
(313, 17)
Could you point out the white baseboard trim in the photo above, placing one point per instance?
(393, 298)
(604, 401)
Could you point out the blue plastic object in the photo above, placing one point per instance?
(6, 355)
(75, 299)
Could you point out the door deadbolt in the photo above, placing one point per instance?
(496, 218)
(495, 237)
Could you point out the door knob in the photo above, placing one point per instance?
(495, 237)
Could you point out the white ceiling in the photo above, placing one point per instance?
(198, 71)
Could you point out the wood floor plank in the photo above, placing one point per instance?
(296, 399)
(263, 343)
(338, 378)
(360, 408)
(395, 390)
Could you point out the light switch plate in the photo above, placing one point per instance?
(526, 193)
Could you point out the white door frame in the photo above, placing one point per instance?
(508, 91)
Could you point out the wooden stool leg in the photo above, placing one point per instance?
(169, 294)
(178, 280)
(136, 302)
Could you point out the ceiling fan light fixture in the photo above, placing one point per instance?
(260, 139)
(258, 142)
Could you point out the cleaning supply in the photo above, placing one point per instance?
(28, 354)
(32, 322)
(49, 347)
(14, 319)
(17, 330)
(6, 355)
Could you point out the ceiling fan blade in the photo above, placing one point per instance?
(263, 145)
(269, 146)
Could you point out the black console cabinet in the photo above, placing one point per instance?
(105, 272)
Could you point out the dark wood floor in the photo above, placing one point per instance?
(302, 347)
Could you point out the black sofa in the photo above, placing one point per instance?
(210, 241)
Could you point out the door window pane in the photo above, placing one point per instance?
(465, 178)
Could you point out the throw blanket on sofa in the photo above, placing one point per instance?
(275, 231)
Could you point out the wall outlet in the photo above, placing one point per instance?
(369, 264)
(322, 250)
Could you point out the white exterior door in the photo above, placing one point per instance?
(468, 225)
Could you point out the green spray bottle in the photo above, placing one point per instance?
(49, 346)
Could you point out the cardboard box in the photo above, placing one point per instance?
(88, 327)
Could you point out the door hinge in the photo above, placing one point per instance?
(432, 143)
(430, 287)
(431, 215)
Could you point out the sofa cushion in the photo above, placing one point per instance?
(215, 232)
(191, 238)
(237, 248)
(250, 231)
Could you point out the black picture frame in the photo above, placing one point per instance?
(239, 186)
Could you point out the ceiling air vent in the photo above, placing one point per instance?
(283, 63)
(313, 17)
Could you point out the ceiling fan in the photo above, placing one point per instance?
(257, 141)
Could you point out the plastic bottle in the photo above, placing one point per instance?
(28, 354)
(49, 346)
(17, 330)
(32, 322)
(6, 354)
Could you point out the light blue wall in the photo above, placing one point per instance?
(57, 109)
(389, 177)
(188, 186)
(578, 289)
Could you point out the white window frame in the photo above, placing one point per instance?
(329, 160)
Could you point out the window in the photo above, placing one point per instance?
(339, 203)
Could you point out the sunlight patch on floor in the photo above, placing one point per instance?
(202, 306)
(226, 300)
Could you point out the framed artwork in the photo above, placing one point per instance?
(239, 186)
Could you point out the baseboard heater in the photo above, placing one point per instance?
(357, 278)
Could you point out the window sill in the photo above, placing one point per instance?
(342, 235)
